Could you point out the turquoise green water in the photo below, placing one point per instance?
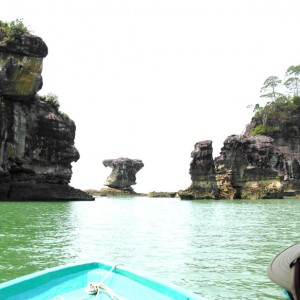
(218, 249)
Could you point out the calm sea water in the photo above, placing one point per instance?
(218, 249)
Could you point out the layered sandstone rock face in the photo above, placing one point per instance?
(250, 168)
(287, 139)
(122, 177)
(202, 171)
(36, 140)
(21, 64)
(247, 168)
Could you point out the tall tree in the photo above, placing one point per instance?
(268, 89)
(293, 79)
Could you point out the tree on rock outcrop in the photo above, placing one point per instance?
(270, 84)
(293, 79)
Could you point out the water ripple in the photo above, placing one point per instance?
(218, 249)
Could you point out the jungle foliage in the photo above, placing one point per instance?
(12, 31)
(280, 116)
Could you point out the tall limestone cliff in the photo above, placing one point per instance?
(36, 140)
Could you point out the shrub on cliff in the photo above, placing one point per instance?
(53, 99)
(265, 130)
(275, 118)
(12, 31)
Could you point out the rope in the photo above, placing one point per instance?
(97, 287)
(109, 272)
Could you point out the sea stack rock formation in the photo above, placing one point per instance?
(122, 177)
(202, 171)
(36, 140)
(250, 167)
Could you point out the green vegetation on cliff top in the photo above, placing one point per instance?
(12, 31)
(275, 119)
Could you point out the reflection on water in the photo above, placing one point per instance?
(218, 249)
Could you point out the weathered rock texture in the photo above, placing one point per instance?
(36, 140)
(123, 174)
(248, 168)
(287, 139)
(21, 65)
(202, 171)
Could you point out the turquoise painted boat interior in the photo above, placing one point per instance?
(69, 282)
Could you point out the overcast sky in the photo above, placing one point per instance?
(147, 79)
